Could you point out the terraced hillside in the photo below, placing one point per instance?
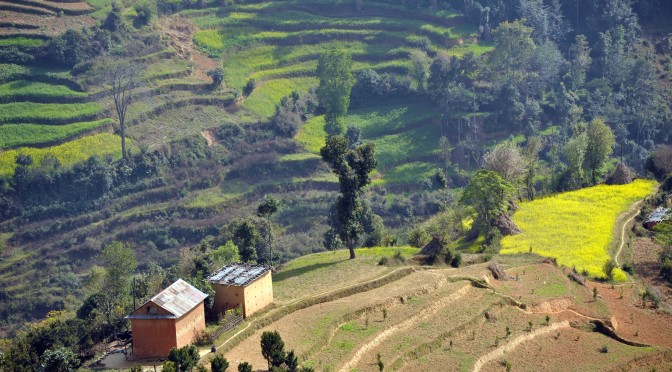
(278, 43)
(460, 319)
(211, 179)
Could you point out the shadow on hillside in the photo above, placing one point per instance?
(282, 275)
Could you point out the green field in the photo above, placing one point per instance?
(22, 112)
(67, 154)
(267, 95)
(12, 135)
(21, 41)
(575, 227)
(25, 88)
(314, 273)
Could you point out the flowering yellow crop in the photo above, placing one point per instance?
(575, 227)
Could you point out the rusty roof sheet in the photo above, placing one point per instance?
(179, 298)
(238, 274)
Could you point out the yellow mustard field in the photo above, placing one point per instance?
(576, 227)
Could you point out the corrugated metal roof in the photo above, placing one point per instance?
(238, 274)
(659, 214)
(179, 298)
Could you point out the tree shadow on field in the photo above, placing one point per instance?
(282, 275)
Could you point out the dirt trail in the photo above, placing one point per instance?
(633, 208)
(424, 314)
(499, 352)
(209, 137)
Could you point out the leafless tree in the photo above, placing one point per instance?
(506, 160)
(123, 78)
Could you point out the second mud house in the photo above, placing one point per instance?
(244, 286)
(172, 318)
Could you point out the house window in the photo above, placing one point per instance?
(153, 310)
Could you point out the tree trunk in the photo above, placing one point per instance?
(351, 248)
(123, 138)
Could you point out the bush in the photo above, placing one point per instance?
(219, 363)
(249, 87)
(202, 338)
(217, 76)
(604, 349)
(627, 267)
(145, 13)
(244, 367)
(418, 237)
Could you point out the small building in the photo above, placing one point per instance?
(658, 215)
(170, 319)
(245, 286)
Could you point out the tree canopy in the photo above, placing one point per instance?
(334, 70)
(352, 167)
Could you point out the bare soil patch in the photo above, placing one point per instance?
(304, 329)
(48, 25)
(630, 320)
(566, 349)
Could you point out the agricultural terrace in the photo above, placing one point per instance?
(278, 43)
(67, 154)
(406, 139)
(576, 227)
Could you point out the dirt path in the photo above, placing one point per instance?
(209, 137)
(633, 210)
(424, 314)
(500, 351)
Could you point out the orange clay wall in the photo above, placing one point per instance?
(189, 325)
(258, 295)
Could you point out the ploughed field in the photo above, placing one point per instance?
(459, 319)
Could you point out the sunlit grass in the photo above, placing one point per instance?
(46, 112)
(267, 95)
(12, 135)
(312, 135)
(35, 89)
(67, 154)
(575, 227)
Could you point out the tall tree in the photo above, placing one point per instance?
(120, 263)
(580, 61)
(601, 141)
(352, 167)
(245, 237)
(488, 194)
(334, 69)
(266, 209)
(273, 349)
(123, 78)
(513, 48)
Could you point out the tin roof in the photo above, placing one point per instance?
(178, 299)
(238, 274)
(659, 214)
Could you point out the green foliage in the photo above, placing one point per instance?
(119, 262)
(61, 359)
(219, 363)
(418, 237)
(245, 237)
(352, 167)
(169, 366)
(488, 194)
(601, 141)
(273, 348)
(21, 41)
(292, 362)
(226, 253)
(609, 267)
(244, 367)
(334, 69)
(184, 358)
